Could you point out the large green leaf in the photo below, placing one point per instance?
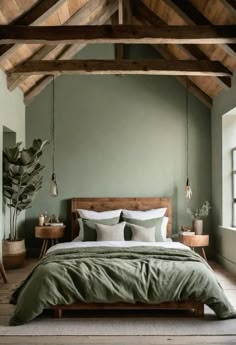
(30, 168)
(27, 189)
(14, 170)
(12, 153)
(13, 189)
(7, 194)
(26, 157)
(10, 192)
(38, 144)
(11, 180)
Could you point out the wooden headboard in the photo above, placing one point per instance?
(106, 204)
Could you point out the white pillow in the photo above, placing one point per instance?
(98, 215)
(144, 215)
(164, 228)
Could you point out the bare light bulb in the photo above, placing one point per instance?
(188, 190)
(53, 186)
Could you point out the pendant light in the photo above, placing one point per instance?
(53, 184)
(188, 189)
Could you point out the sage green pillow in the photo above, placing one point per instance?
(141, 234)
(147, 223)
(88, 227)
(110, 232)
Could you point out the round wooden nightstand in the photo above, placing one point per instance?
(47, 233)
(195, 241)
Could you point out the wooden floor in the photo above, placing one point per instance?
(227, 280)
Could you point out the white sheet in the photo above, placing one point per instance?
(124, 244)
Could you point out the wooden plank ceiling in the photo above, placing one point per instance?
(29, 65)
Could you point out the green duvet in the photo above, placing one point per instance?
(111, 275)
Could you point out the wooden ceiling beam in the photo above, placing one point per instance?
(144, 13)
(118, 19)
(230, 5)
(102, 17)
(147, 16)
(42, 54)
(166, 54)
(214, 34)
(152, 67)
(79, 17)
(36, 15)
(123, 16)
(193, 88)
(192, 16)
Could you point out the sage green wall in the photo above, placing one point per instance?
(121, 136)
(225, 237)
(12, 116)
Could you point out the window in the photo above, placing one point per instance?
(229, 170)
(234, 187)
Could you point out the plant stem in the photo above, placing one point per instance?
(15, 211)
(10, 236)
(13, 225)
(16, 233)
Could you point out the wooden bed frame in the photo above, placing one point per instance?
(141, 204)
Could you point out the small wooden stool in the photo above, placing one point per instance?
(47, 233)
(3, 273)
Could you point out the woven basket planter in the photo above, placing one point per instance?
(13, 253)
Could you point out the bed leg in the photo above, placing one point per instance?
(199, 310)
(58, 313)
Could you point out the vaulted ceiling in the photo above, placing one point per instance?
(153, 13)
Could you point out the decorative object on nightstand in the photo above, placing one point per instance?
(186, 230)
(197, 215)
(41, 219)
(195, 241)
(21, 182)
(50, 232)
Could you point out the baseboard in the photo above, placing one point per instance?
(226, 263)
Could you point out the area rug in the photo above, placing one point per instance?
(167, 325)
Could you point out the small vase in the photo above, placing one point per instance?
(41, 219)
(198, 226)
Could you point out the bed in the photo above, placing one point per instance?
(75, 267)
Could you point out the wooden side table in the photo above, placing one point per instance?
(195, 241)
(52, 233)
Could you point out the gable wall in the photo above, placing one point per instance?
(121, 136)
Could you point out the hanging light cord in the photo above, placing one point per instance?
(53, 125)
(187, 126)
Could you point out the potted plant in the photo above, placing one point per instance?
(197, 215)
(21, 182)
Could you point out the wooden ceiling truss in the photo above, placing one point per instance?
(195, 40)
(151, 67)
(231, 5)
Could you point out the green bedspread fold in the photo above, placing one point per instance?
(112, 275)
